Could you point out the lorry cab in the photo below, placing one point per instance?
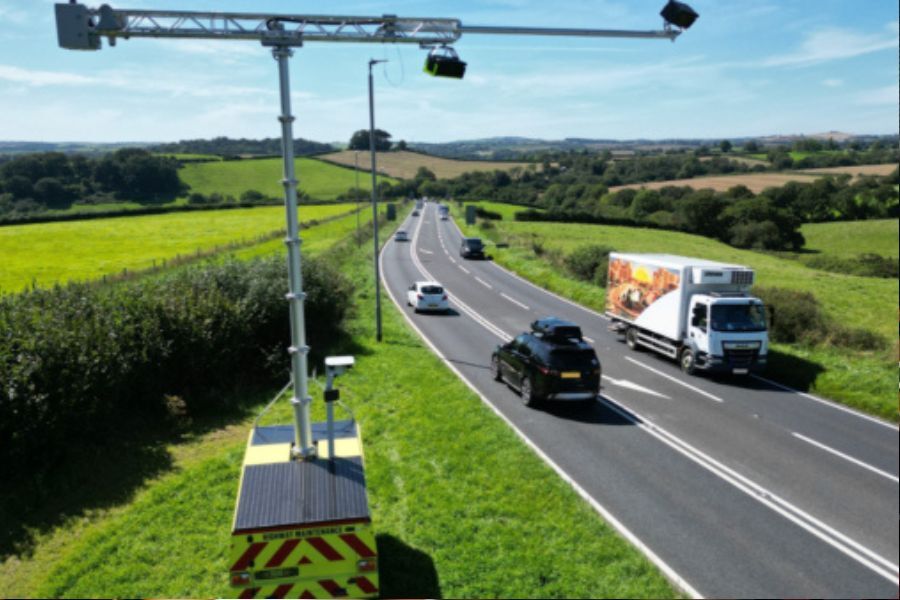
(726, 332)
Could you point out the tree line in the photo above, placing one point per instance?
(35, 182)
(228, 147)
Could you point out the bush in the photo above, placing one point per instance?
(794, 316)
(865, 265)
(487, 214)
(73, 359)
(589, 263)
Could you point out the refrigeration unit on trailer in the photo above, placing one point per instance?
(696, 311)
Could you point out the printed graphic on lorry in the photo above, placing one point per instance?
(633, 286)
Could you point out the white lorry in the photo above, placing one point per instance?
(696, 311)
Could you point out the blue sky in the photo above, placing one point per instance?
(744, 68)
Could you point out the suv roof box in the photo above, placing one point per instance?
(552, 327)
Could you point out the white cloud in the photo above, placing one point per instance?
(833, 44)
(884, 96)
(833, 82)
(40, 78)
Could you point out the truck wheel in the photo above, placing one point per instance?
(528, 398)
(631, 338)
(495, 368)
(688, 361)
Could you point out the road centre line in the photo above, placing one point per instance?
(670, 573)
(483, 282)
(591, 340)
(846, 457)
(675, 379)
(826, 533)
(514, 301)
(423, 250)
(828, 403)
(464, 270)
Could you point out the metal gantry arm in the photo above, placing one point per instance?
(80, 28)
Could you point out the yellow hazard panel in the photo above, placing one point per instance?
(317, 562)
(342, 447)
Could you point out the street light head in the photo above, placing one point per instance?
(76, 28)
(444, 62)
(679, 14)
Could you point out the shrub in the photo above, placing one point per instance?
(589, 263)
(865, 265)
(794, 316)
(72, 359)
(487, 214)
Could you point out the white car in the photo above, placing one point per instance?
(401, 236)
(427, 296)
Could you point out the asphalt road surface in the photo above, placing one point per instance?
(733, 487)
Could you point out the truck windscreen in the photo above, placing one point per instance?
(738, 317)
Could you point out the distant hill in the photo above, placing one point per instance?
(224, 146)
(68, 147)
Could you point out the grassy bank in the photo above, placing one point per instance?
(848, 238)
(318, 179)
(461, 507)
(49, 253)
(865, 380)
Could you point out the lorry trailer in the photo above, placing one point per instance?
(696, 311)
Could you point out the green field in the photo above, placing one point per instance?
(321, 180)
(48, 253)
(461, 507)
(866, 380)
(849, 238)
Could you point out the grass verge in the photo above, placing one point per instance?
(461, 507)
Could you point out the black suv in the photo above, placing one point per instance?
(552, 362)
(471, 248)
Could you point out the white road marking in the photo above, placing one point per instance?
(484, 283)
(826, 533)
(464, 270)
(633, 386)
(514, 301)
(591, 340)
(855, 461)
(828, 403)
(451, 260)
(424, 251)
(675, 379)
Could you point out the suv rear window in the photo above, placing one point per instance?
(432, 289)
(571, 358)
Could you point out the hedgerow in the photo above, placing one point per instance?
(74, 358)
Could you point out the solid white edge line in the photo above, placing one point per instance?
(483, 282)
(675, 379)
(830, 403)
(846, 457)
(514, 301)
(827, 534)
(667, 571)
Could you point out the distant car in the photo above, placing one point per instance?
(552, 362)
(427, 296)
(471, 248)
(415, 213)
(401, 236)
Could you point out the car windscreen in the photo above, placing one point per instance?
(432, 289)
(474, 244)
(738, 317)
(574, 359)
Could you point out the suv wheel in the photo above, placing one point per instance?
(528, 397)
(688, 361)
(495, 368)
(631, 338)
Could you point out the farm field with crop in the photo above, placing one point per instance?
(848, 238)
(318, 179)
(403, 164)
(48, 253)
(862, 379)
(882, 170)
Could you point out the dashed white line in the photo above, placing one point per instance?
(514, 301)
(483, 282)
(424, 251)
(846, 457)
(675, 379)
(452, 260)
(464, 270)
(591, 340)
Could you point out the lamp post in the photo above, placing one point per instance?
(373, 62)
(356, 173)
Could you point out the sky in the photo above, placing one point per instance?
(745, 68)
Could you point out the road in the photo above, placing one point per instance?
(734, 488)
